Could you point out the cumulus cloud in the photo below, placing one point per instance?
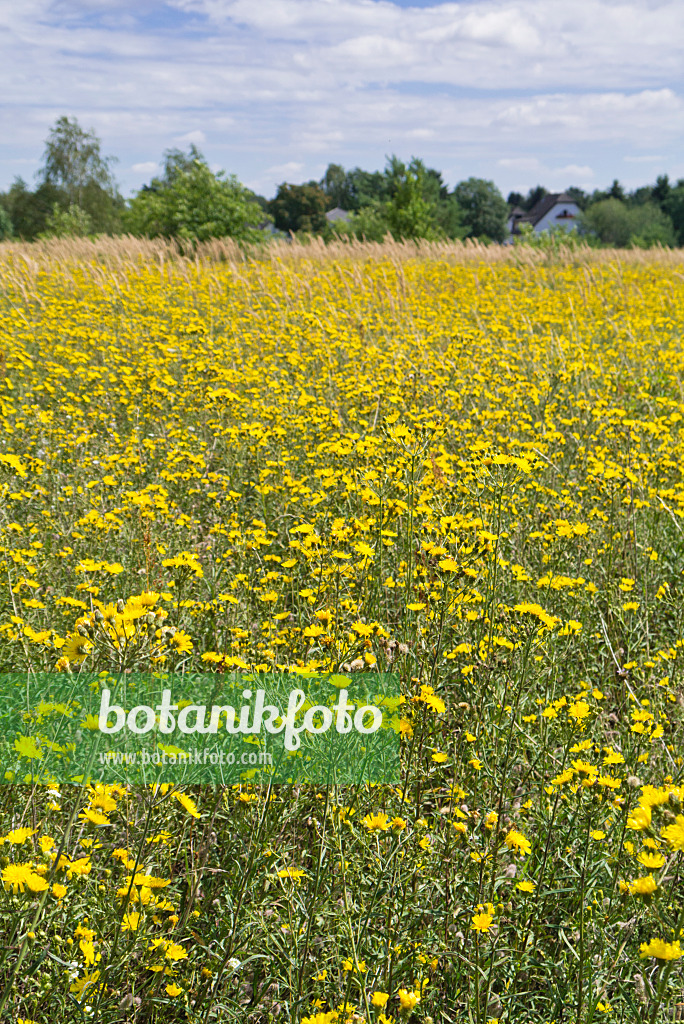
(195, 137)
(467, 85)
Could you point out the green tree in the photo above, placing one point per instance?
(533, 197)
(578, 195)
(450, 218)
(515, 199)
(71, 223)
(408, 205)
(674, 207)
(336, 185)
(483, 207)
(616, 191)
(409, 211)
(661, 190)
(190, 201)
(74, 166)
(365, 188)
(5, 224)
(641, 195)
(300, 208)
(613, 222)
(29, 211)
(369, 223)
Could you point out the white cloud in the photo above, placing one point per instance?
(476, 43)
(146, 167)
(196, 137)
(572, 172)
(520, 163)
(290, 169)
(519, 87)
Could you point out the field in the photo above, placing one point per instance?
(456, 463)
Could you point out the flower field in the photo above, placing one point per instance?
(461, 465)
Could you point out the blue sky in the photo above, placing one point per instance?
(518, 91)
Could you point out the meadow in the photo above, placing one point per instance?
(461, 464)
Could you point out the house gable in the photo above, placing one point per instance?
(556, 209)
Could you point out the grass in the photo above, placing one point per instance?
(459, 463)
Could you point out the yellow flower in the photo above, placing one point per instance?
(174, 951)
(188, 804)
(348, 965)
(76, 648)
(173, 989)
(482, 922)
(96, 817)
(643, 886)
(652, 861)
(579, 710)
(379, 999)
(27, 747)
(429, 697)
(378, 822)
(407, 999)
(18, 836)
(16, 876)
(675, 833)
(293, 873)
(661, 950)
(181, 642)
(639, 819)
(518, 843)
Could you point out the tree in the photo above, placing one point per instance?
(578, 195)
(190, 201)
(176, 162)
(5, 224)
(300, 208)
(661, 190)
(674, 208)
(29, 211)
(449, 218)
(534, 195)
(412, 201)
(74, 166)
(71, 223)
(613, 222)
(616, 191)
(408, 210)
(365, 188)
(335, 183)
(484, 209)
(641, 195)
(515, 199)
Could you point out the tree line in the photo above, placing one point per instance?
(76, 194)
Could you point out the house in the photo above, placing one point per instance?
(556, 209)
(337, 213)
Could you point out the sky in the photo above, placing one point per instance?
(521, 92)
